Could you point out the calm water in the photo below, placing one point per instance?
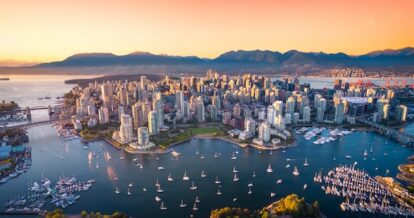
(48, 148)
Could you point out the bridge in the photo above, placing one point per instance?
(38, 123)
(401, 137)
(27, 110)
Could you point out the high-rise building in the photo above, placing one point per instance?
(339, 112)
(213, 112)
(125, 130)
(386, 111)
(122, 96)
(137, 115)
(337, 84)
(270, 114)
(143, 136)
(153, 126)
(306, 114)
(103, 114)
(320, 113)
(237, 111)
(280, 122)
(215, 101)
(264, 131)
(200, 110)
(179, 103)
(278, 106)
(250, 125)
(106, 94)
(91, 110)
(401, 113)
(290, 105)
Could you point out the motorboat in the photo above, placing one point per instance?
(129, 191)
(157, 198)
(279, 181)
(250, 191)
(287, 166)
(348, 157)
(272, 194)
(254, 174)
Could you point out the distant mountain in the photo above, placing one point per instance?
(240, 60)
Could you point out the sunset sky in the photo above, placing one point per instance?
(50, 30)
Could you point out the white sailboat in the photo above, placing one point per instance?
(272, 194)
(279, 181)
(305, 186)
(182, 205)
(197, 152)
(202, 156)
(130, 185)
(203, 174)
(170, 179)
(193, 187)
(250, 185)
(233, 157)
(288, 166)
(129, 191)
(197, 200)
(269, 169)
(117, 191)
(216, 155)
(157, 184)
(195, 206)
(163, 207)
(371, 150)
(295, 171)
(250, 191)
(254, 174)
(144, 189)
(365, 153)
(218, 192)
(235, 170)
(185, 177)
(306, 163)
(217, 180)
(157, 198)
(235, 178)
(159, 189)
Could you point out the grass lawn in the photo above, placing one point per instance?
(203, 130)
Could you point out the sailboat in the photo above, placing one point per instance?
(371, 150)
(193, 187)
(233, 157)
(157, 198)
(197, 200)
(250, 191)
(305, 186)
(234, 199)
(157, 184)
(117, 190)
(272, 194)
(185, 177)
(130, 185)
(365, 153)
(254, 174)
(197, 152)
(279, 181)
(203, 174)
(217, 180)
(97, 165)
(250, 185)
(202, 156)
(182, 205)
(129, 191)
(170, 178)
(218, 192)
(159, 190)
(163, 207)
(288, 165)
(269, 169)
(216, 155)
(195, 206)
(144, 189)
(295, 171)
(235, 170)
(235, 178)
(306, 163)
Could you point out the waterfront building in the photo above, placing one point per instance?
(264, 132)
(125, 130)
(153, 126)
(295, 118)
(226, 118)
(278, 106)
(103, 115)
(339, 112)
(320, 114)
(401, 113)
(280, 122)
(137, 115)
(250, 125)
(288, 119)
(290, 105)
(143, 136)
(91, 110)
(237, 111)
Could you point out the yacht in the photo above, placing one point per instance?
(203, 174)
(235, 170)
(193, 187)
(287, 166)
(269, 169)
(202, 156)
(234, 199)
(254, 174)
(182, 205)
(185, 177)
(161, 168)
(130, 185)
(170, 178)
(129, 191)
(157, 198)
(197, 200)
(279, 181)
(305, 186)
(159, 190)
(144, 189)
(348, 157)
(272, 194)
(250, 185)
(233, 157)
(218, 192)
(117, 190)
(163, 207)
(306, 163)
(250, 191)
(295, 171)
(195, 206)
(235, 178)
(217, 180)
(122, 158)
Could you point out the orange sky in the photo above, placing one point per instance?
(48, 30)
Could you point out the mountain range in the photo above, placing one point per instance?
(399, 57)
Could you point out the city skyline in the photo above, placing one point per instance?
(204, 29)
